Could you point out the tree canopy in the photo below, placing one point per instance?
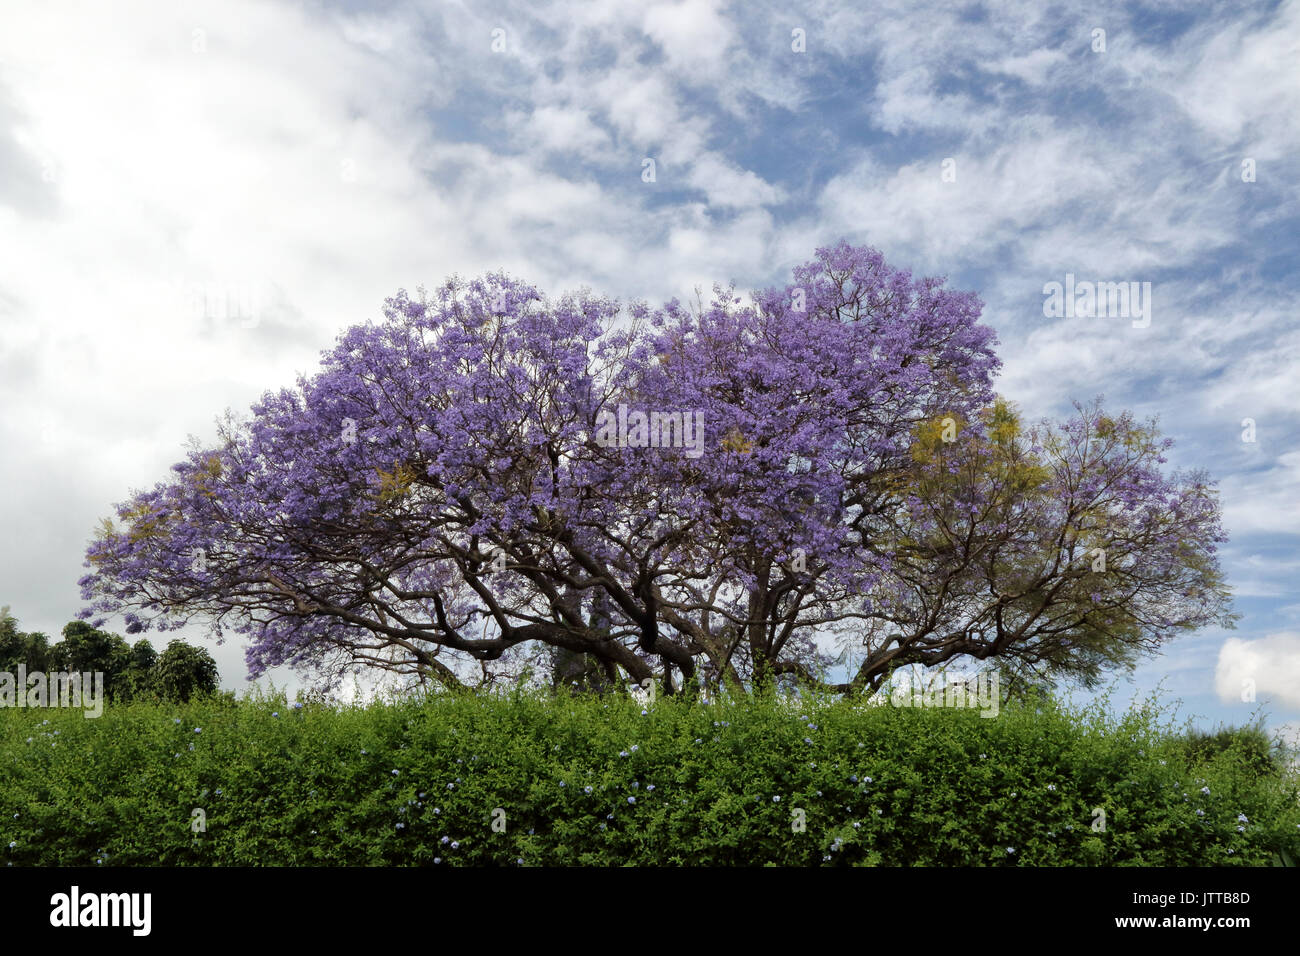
(737, 494)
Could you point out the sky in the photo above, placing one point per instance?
(197, 197)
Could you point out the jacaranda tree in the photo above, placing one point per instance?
(489, 479)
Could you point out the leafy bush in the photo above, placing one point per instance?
(606, 781)
(1251, 745)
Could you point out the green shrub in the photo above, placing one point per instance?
(1250, 745)
(580, 780)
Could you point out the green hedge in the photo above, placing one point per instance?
(582, 781)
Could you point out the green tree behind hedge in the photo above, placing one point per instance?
(131, 672)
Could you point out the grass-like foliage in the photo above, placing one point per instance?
(608, 781)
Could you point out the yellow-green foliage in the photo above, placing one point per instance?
(144, 522)
(393, 485)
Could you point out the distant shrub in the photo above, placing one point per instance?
(1250, 745)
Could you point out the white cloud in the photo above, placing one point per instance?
(1270, 666)
(1031, 67)
(558, 129)
(908, 101)
(1236, 79)
(1264, 500)
(693, 35)
(728, 185)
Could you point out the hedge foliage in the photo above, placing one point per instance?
(527, 780)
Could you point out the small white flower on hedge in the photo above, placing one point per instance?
(1241, 818)
(455, 845)
(401, 826)
(586, 789)
(631, 799)
(1052, 787)
(1200, 813)
(1205, 790)
(1011, 849)
(776, 799)
(437, 859)
(622, 753)
(650, 786)
(394, 773)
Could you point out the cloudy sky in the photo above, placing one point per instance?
(196, 197)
